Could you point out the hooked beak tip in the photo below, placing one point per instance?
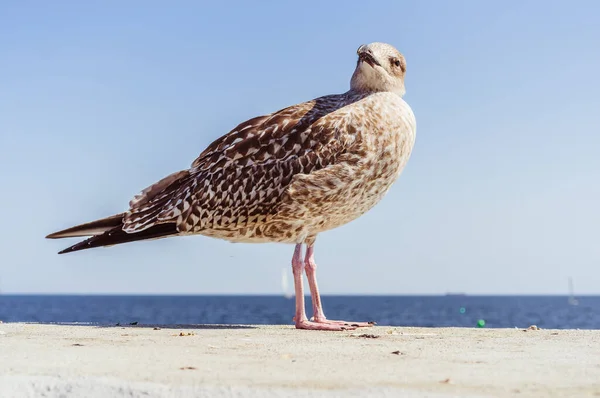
(367, 57)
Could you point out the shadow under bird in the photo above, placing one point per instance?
(284, 177)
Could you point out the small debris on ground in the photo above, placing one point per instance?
(554, 334)
(156, 329)
(532, 327)
(446, 381)
(391, 331)
(188, 368)
(397, 352)
(186, 334)
(369, 336)
(77, 345)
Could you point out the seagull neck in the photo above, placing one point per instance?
(354, 92)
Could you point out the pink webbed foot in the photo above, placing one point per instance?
(309, 325)
(344, 323)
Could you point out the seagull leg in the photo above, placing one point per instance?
(318, 314)
(300, 319)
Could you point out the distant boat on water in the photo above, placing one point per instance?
(285, 284)
(572, 300)
(450, 294)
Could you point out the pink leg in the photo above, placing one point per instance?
(318, 314)
(300, 319)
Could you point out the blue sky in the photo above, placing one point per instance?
(501, 195)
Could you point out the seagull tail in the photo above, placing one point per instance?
(91, 228)
(108, 232)
(117, 236)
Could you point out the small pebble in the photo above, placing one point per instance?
(532, 327)
(369, 336)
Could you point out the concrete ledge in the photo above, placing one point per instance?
(279, 361)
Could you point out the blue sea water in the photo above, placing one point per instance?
(461, 311)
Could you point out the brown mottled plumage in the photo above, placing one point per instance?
(283, 177)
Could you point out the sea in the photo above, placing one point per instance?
(548, 312)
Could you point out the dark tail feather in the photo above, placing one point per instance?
(91, 228)
(117, 236)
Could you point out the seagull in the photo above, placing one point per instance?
(283, 177)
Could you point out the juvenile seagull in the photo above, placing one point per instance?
(284, 177)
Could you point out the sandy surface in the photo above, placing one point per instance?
(279, 361)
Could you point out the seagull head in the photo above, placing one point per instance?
(380, 67)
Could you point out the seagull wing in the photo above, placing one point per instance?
(239, 178)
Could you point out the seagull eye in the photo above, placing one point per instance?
(397, 62)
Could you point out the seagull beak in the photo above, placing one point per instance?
(366, 55)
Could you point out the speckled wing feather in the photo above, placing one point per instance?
(238, 180)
